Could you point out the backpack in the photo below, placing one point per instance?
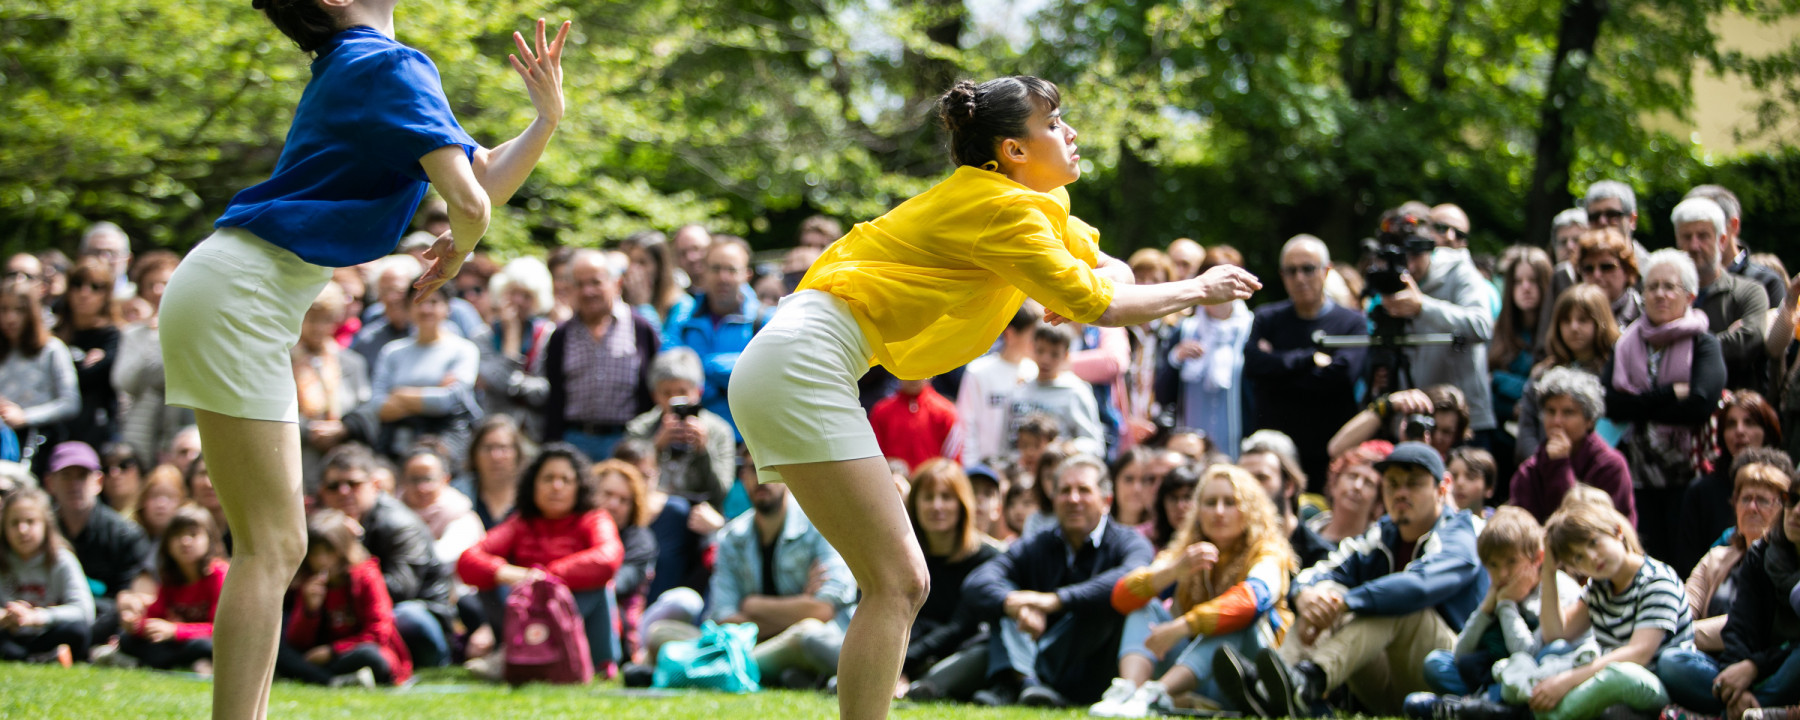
(545, 640)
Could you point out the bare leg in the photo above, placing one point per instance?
(1180, 680)
(255, 466)
(854, 505)
(1136, 668)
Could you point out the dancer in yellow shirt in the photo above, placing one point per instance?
(921, 290)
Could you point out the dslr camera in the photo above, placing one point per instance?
(1401, 235)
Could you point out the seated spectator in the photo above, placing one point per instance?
(1057, 629)
(1397, 416)
(1472, 476)
(1059, 394)
(1666, 381)
(1369, 615)
(1280, 476)
(1018, 506)
(341, 629)
(183, 448)
(1174, 504)
(1043, 486)
(417, 584)
(1355, 493)
(777, 572)
(684, 534)
(123, 481)
(598, 363)
(558, 531)
(164, 492)
(449, 515)
(1763, 479)
(942, 505)
(176, 630)
(512, 363)
(1745, 422)
(492, 482)
(916, 424)
(46, 608)
(1609, 261)
(1134, 489)
(625, 497)
(696, 454)
(38, 390)
(989, 515)
(115, 556)
(88, 322)
(332, 383)
(1229, 566)
(1521, 330)
(1569, 403)
(1512, 552)
(984, 398)
(197, 483)
(424, 384)
(1633, 603)
(1582, 336)
(391, 318)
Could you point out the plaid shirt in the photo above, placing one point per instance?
(602, 373)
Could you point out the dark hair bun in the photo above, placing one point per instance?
(958, 105)
(259, 4)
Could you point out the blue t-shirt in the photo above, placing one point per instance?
(349, 178)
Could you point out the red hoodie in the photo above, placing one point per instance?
(353, 614)
(916, 428)
(583, 551)
(190, 606)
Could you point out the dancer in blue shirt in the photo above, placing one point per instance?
(372, 129)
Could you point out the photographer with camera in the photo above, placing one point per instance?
(695, 450)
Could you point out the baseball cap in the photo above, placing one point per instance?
(1417, 454)
(74, 453)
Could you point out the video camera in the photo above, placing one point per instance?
(1401, 234)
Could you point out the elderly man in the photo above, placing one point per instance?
(1369, 614)
(1613, 204)
(597, 363)
(27, 268)
(1451, 225)
(695, 453)
(1058, 635)
(1736, 308)
(108, 242)
(1565, 236)
(1735, 254)
(1304, 391)
(1186, 255)
(114, 553)
(720, 321)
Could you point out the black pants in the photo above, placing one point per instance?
(168, 654)
(290, 662)
(18, 646)
(106, 620)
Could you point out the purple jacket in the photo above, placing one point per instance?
(1540, 484)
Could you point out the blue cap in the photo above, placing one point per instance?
(1417, 454)
(980, 470)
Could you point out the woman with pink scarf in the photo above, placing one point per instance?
(1666, 377)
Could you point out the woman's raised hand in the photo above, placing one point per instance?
(542, 70)
(1226, 283)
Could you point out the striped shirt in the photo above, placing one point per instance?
(1654, 599)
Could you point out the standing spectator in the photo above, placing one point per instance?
(1445, 293)
(1736, 309)
(46, 608)
(1229, 567)
(150, 276)
(916, 424)
(1297, 388)
(1185, 256)
(341, 630)
(115, 556)
(391, 318)
(597, 363)
(1581, 335)
(109, 244)
(87, 322)
(1608, 261)
(649, 283)
(988, 383)
(1735, 254)
(472, 284)
(38, 387)
(27, 270)
(625, 496)
(696, 455)
(137, 374)
(1354, 489)
(560, 532)
(1565, 237)
(495, 453)
(1101, 360)
(1210, 359)
(719, 323)
(175, 631)
(690, 242)
(1570, 401)
(820, 231)
(331, 382)
(1058, 394)
(512, 364)
(425, 384)
(1521, 332)
(1666, 380)
(942, 509)
(1050, 594)
(1744, 422)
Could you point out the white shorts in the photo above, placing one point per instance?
(229, 318)
(793, 392)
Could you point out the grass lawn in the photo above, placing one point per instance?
(37, 692)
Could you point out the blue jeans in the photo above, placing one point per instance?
(1688, 676)
(1195, 654)
(1071, 656)
(423, 633)
(596, 447)
(1447, 673)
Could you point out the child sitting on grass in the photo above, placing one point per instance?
(341, 631)
(46, 607)
(175, 631)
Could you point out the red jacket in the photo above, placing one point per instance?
(583, 551)
(916, 428)
(190, 606)
(353, 614)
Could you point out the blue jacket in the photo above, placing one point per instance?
(1040, 562)
(1444, 574)
(718, 345)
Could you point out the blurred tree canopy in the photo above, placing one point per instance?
(1239, 122)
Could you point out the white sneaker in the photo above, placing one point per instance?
(490, 667)
(1150, 700)
(364, 677)
(1113, 699)
(109, 656)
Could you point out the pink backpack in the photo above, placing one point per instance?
(545, 639)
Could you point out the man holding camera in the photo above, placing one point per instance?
(695, 450)
(1442, 292)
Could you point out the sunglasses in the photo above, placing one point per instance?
(342, 485)
(1446, 228)
(1300, 270)
(1600, 268)
(1608, 215)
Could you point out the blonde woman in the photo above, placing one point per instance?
(1229, 563)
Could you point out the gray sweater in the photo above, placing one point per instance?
(44, 386)
(1518, 621)
(1456, 302)
(61, 589)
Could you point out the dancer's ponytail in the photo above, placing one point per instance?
(305, 22)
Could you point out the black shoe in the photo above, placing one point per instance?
(1000, 695)
(1237, 681)
(637, 676)
(799, 679)
(924, 691)
(1042, 696)
(1289, 692)
(1485, 709)
(1431, 706)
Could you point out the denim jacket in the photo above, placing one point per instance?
(738, 572)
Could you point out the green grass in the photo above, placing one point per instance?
(37, 692)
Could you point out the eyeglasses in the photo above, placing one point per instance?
(1600, 268)
(19, 275)
(1607, 216)
(1664, 287)
(89, 286)
(471, 290)
(1759, 501)
(1300, 270)
(342, 485)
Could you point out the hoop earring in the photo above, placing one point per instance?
(991, 166)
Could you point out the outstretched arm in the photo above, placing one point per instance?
(1134, 304)
(503, 169)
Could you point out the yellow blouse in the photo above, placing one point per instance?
(934, 281)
